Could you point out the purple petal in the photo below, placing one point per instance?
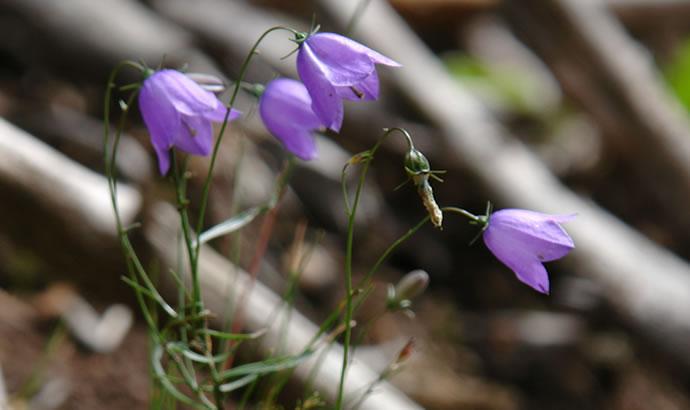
(195, 135)
(340, 64)
(357, 47)
(326, 103)
(184, 94)
(524, 264)
(218, 115)
(285, 110)
(159, 115)
(367, 90)
(299, 141)
(537, 233)
(163, 155)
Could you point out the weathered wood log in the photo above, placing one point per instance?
(615, 81)
(76, 193)
(221, 281)
(91, 35)
(648, 284)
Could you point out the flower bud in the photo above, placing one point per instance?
(412, 285)
(409, 287)
(416, 164)
(419, 170)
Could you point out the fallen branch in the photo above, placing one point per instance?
(220, 280)
(616, 82)
(77, 194)
(74, 193)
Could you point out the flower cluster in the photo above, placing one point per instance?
(179, 112)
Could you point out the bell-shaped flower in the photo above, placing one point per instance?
(178, 112)
(333, 68)
(523, 240)
(285, 108)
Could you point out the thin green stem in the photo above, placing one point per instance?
(348, 256)
(392, 247)
(109, 159)
(238, 85)
(467, 214)
(262, 242)
(348, 283)
(182, 204)
(209, 176)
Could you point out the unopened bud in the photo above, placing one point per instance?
(416, 164)
(419, 170)
(412, 285)
(405, 352)
(409, 287)
(359, 158)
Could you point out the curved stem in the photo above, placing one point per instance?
(216, 147)
(348, 255)
(392, 247)
(109, 163)
(467, 214)
(261, 245)
(182, 202)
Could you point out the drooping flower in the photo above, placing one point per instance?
(334, 68)
(178, 113)
(285, 108)
(523, 240)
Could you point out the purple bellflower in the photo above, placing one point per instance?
(334, 68)
(285, 108)
(178, 113)
(522, 240)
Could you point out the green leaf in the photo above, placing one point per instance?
(266, 366)
(234, 385)
(677, 73)
(162, 377)
(196, 357)
(233, 336)
(233, 224)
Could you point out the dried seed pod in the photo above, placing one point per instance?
(419, 170)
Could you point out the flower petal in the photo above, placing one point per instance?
(288, 101)
(195, 135)
(536, 233)
(326, 103)
(376, 57)
(341, 65)
(525, 265)
(297, 140)
(184, 94)
(159, 115)
(367, 90)
(218, 115)
(163, 155)
(285, 110)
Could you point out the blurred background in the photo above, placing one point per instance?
(560, 106)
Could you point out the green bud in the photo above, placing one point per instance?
(409, 287)
(412, 285)
(147, 72)
(300, 37)
(416, 163)
(254, 89)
